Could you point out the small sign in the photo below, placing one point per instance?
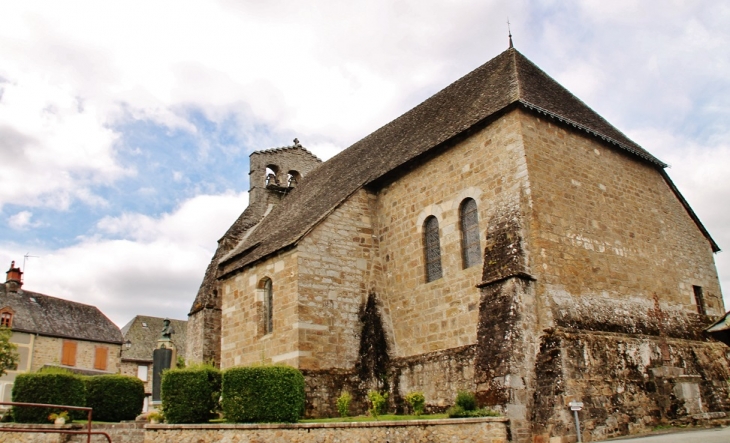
(575, 405)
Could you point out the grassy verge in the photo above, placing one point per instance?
(364, 418)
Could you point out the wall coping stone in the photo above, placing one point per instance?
(330, 425)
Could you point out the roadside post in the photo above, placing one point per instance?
(576, 406)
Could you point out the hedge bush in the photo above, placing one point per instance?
(56, 387)
(114, 397)
(263, 394)
(190, 395)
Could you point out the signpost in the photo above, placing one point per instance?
(576, 406)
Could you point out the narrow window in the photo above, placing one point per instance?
(268, 307)
(100, 358)
(470, 249)
(700, 300)
(432, 249)
(6, 319)
(68, 355)
(142, 372)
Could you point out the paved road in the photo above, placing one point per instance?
(715, 435)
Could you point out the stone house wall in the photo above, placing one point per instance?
(607, 226)
(243, 340)
(338, 266)
(47, 350)
(487, 166)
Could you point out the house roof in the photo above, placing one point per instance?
(55, 317)
(507, 80)
(144, 331)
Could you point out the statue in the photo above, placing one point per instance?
(167, 330)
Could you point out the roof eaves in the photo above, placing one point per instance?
(625, 147)
(688, 208)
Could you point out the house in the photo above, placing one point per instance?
(51, 331)
(501, 237)
(140, 340)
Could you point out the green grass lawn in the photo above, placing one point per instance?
(362, 418)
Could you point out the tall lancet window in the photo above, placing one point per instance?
(432, 249)
(470, 248)
(268, 307)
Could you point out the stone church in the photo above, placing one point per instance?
(501, 237)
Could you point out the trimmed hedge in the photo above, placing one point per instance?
(114, 397)
(263, 394)
(190, 395)
(54, 388)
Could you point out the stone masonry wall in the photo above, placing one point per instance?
(130, 368)
(47, 350)
(243, 340)
(338, 265)
(487, 166)
(615, 256)
(625, 383)
(607, 225)
(479, 430)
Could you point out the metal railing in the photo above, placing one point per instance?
(88, 432)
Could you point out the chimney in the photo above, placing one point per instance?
(14, 280)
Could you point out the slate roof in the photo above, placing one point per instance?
(507, 80)
(55, 317)
(144, 331)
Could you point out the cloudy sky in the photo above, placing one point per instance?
(125, 127)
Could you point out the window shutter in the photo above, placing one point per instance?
(100, 358)
(68, 356)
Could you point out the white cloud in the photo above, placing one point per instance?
(327, 72)
(22, 220)
(154, 267)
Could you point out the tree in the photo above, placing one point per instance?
(8, 351)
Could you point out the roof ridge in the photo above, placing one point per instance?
(285, 148)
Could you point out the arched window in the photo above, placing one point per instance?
(469, 220)
(292, 178)
(272, 175)
(432, 248)
(268, 307)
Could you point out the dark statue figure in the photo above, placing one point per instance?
(167, 330)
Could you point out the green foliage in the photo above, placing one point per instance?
(343, 404)
(466, 400)
(50, 387)
(190, 395)
(155, 415)
(8, 351)
(416, 401)
(465, 405)
(459, 412)
(378, 403)
(263, 394)
(180, 362)
(114, 397)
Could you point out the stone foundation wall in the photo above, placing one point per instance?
(476, 430)
(119, 433)
(628, 384)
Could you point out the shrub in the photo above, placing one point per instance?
(190, 395)
(416, 401)
(263, 394)
(459, 412)
(343, 404)
(114, 397)
(465, 405)
(466, 400)
(378, 403)
(51, 387)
